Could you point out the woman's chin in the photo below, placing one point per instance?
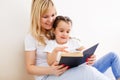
(49, 28)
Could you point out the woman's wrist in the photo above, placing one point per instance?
(50, 70)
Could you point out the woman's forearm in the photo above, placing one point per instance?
(39, 70)
(31, 67)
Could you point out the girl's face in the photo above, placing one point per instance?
(62, 32)
(48, 18)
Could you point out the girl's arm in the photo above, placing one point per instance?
(52, 57)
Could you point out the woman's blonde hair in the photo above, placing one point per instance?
(38, 8)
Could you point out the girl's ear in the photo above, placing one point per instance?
(53, 31)
(53, 34)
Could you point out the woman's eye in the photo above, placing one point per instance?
(53, 15)
(45, 17)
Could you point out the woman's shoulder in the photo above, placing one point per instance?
(29, 37)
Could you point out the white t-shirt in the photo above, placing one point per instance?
(71, 45)
(31, 44)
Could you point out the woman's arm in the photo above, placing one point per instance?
(54, 69)
(31, 67)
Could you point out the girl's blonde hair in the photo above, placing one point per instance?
(38, 8)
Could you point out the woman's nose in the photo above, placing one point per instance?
(51, 19)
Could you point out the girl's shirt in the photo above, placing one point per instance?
(72, 44)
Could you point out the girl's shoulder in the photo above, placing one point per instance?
(74, 39)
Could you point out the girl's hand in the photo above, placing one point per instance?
(80, 48)
(61, 49)
(52, 57)
(91, 60)
(58, 69)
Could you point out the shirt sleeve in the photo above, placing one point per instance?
(77, 43)
(30, 43)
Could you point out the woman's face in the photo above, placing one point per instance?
(62, 32)
(48, 18)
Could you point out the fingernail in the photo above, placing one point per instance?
(68, 67)
(87, 60)
(63, 64)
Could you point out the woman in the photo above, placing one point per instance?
(42, 17)
(43, 14)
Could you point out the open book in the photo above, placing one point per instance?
(76, 58)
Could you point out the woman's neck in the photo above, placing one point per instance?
(46, 33)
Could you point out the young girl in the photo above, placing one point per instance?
(63, 43)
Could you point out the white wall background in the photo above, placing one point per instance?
(14, 23)
(93, 21)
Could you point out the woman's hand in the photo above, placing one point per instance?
(91, 60)
(58, 69)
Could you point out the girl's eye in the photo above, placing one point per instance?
(68, 31)
(61, 31)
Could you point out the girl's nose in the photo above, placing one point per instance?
(65, 34)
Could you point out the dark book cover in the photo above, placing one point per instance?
(73, 61)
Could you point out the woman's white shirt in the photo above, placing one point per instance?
(31, 44)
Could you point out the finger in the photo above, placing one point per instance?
(55, 63)
(93, 56)
(91, 59)
(62, 70)
(60, 66)
(89, 63)
(64, 49)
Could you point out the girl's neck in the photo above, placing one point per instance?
(60, 43)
